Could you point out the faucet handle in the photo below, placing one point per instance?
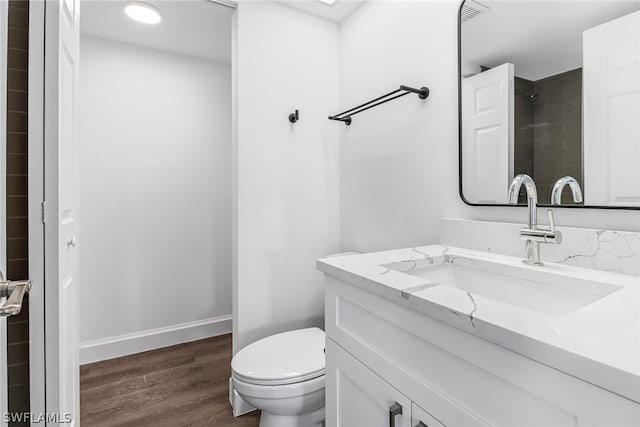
(556, 236)
(552, 222)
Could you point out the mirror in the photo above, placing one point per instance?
(550, 89)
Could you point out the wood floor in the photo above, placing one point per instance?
(179, 386)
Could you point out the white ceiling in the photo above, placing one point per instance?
(336, 12)
(190, 27)
(542, 38)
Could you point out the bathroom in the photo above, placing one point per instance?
(222, 206)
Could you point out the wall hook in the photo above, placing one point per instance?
(294, 117)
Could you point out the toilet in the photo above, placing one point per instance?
(283, 376)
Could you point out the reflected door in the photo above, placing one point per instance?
(487, 134)
(611, 78)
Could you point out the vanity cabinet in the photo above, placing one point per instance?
(381, 352)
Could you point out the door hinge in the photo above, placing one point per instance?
(44, 212)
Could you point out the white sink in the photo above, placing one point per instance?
(539, 289)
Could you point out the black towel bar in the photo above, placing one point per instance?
(345, 116)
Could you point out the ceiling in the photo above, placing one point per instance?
(336, 12)
(542, 38)
(190, 27)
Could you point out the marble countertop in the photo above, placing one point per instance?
(598, 343)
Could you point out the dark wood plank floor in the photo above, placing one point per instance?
(184, 385)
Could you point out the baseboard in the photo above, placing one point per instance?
(123, 345)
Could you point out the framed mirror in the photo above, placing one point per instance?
(550, 89)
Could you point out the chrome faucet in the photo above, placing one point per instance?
(556, 193)
(532, 235)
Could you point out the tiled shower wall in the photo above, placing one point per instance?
(523, 132)
(548, 131)
(558, 132)
(17, 230)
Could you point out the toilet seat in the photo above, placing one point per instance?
(287, 358)
(276, 382)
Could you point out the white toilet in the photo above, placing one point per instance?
(283, 376)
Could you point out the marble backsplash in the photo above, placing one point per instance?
(607, 250)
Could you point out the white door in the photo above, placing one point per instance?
(358, 397)
(60, 172)
(487, 134)
(611, 91)
(3, 136)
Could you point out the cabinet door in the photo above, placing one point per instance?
(357, 397)
(421, 418)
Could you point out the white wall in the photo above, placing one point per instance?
(286, 174)
(399, 161)
(155, 197)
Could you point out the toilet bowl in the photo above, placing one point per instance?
(283, 376)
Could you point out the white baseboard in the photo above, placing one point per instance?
(123, 345)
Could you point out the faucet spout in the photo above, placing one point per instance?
(556, 193)
(532, 235)
(532, 196)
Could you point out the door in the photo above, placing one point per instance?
(487, 135)
(60, 217)
(611, 90)
(357, 396)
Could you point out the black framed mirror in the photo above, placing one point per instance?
(550, 89)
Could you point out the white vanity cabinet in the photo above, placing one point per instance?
(381, 352)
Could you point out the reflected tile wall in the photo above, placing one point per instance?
(557, 136)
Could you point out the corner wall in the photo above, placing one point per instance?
(155, 198)
(399, 165)
(286, 174)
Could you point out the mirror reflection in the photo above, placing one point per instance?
(551, 89)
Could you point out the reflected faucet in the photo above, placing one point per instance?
(556, 193)
(532, 235)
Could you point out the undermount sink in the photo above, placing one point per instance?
(538, 289)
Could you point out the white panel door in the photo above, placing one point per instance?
(487, 135)
(3, 221)
(611, 91)
(61, 279)
(358, 397)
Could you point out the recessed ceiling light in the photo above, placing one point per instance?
(329, 2)
(143, 12)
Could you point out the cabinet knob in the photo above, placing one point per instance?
(394, 411)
